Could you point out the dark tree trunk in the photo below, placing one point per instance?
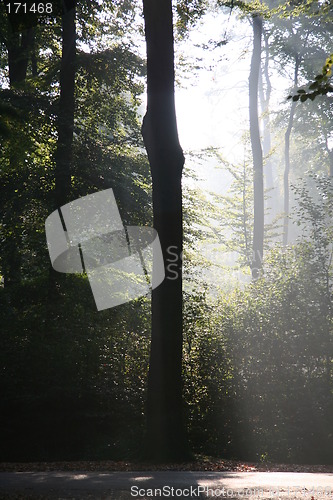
(258, 181)
(19, 46)
(12, 257)
(66, 109)
(65, 126)
(34, 66)
(166, 437)
(286, 196)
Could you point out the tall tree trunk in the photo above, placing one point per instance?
(330, 153)
(166, 437)
(328, 150)
(265, 96)
(247, 242)
(64, 151)
(66, 107)
(19, 46)
(258, 181)
(286, 205)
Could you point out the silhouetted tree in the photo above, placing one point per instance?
(66, 105)
(19, 43)
(166, 438)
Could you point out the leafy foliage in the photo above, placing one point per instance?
(320, 86)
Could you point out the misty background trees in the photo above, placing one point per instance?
(239, 341)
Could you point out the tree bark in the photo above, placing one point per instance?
(65, 127)
(271, 202)
(331, 162)
(258, 182)
(19, 49)
(66, 108)
(329, 152)
(166, 436)
(19, 46)
(286, 197)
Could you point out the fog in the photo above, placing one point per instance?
(212, 103)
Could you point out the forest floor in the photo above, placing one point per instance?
(201, 463)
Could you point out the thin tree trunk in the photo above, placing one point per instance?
(66, 109)
(271, 203)
(329, 152)
(19, 47)
(286, 207)
(166, 437)
(258, 182)
(245, 219)
(64, 151)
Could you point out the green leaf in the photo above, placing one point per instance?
(314, 85)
